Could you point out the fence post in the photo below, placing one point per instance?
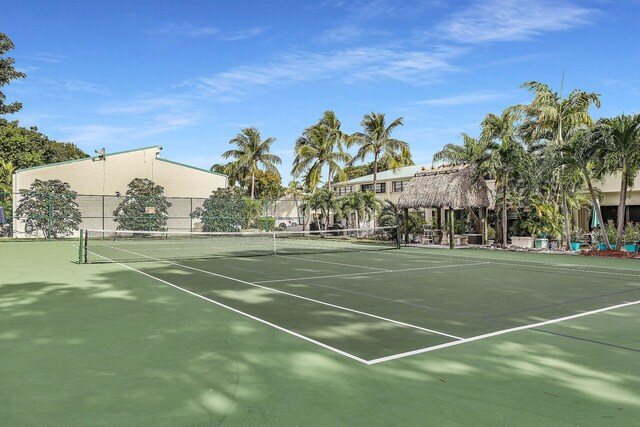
(49, 213)
(266, 214)
(80, 248)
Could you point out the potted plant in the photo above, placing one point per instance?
(597, 239)
(631, 236)
(491, 235)
(612, 233)
(576, 235)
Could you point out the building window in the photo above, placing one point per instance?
(341, 191)
(381, 187)
(398, 186)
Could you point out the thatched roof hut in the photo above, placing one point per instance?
(447, 187)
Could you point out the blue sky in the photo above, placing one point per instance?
(188, 75)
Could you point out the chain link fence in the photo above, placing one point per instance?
(46, 216)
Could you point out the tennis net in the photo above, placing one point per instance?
(126, 246)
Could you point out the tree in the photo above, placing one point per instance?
(268, 185)
(235, 174)
(25, 148)
(619, 138)
(50, 207)
(131, 213)
(296, 190)
(376, 141)
(227, 210)
(252, 154)
(582, 153)
(323, 201)
(8, 73)
(500, 133)
(550, 117)
(321, 145)
(6, 174)
(359, 204)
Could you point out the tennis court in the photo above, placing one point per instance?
(542, 338)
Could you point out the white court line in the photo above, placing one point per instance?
(280, 328)
(367, 273)
(386, 319)
(536, 264)
(329, 262)
(496, 333)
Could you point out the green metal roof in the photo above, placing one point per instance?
(406, 172)
(86, 158)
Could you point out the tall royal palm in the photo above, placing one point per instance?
(620, 139)
(583, 153)
(500, 133)
(252, 154)
(376, 141)
(549, 118)
(321, 145)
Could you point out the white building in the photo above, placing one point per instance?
(101, 180)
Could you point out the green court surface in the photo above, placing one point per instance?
(408, 336)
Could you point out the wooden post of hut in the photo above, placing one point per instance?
(451, 224)
(406, 226)
(483, 224)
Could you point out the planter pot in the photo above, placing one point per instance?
(541, 243)
(575, 246)
(631, 248)
(522, 242)
(491, 242)
(603, 247)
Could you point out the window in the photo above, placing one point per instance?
(381, 187)
(398, 186)
(341, 191)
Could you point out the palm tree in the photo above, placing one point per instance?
(500, 134)
(376, 141)
(362, 205)
(295, 189)
(472, 151)
(252, 154)
(323, 201)
(6, 176)
(550, 117)
(620, 139)
(321, 145)
(582, 153)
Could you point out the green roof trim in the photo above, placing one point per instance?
(86, 158)
(192, 167)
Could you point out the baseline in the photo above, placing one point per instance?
(497, 333)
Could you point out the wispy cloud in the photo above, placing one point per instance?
(464, 99)
(73, 85)
(45, 57)
(144, 105)
(350, 65)
(513, 20)
(188, 30)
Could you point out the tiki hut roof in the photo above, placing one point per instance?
(446, 186)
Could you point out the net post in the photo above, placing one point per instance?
(80, 247)
(275, 248)
(398, 236)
